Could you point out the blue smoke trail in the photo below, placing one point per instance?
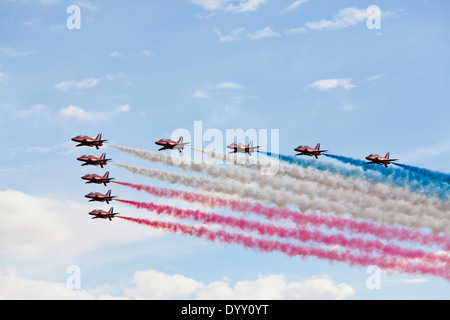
(408, 179)
(434, 175)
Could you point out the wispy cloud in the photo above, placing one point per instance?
(116, 54)
(417, 154)
(230, 85)
(9, 52)
(77, 113)
(152, 284)
(328, 84)
(294, 5)
(142, 53)
(245, 6)
(88, 6)
(2, 77)
(235, 35)
(225, 85)
(233, 6)
(146, 53)
(200, 94)
(375, 77)
(296, 30)
(267, 32)
(344, 18)
(87, 83)
(35, 111)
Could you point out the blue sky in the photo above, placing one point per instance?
(137, 72)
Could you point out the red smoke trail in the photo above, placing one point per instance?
(301, 234)
(295, 250)
(313, 219)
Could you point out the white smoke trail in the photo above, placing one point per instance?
(284, 199)
(336, 181)
(355, 202)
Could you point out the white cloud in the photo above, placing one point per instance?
(328, 84)
(235, 35)
(349, 107)
(66, 86)
(155, 285)
(267, 32)
(30, 226)
(87, 83)
(233, 6)
(9, 52)
(245, 6)
(88, 6)
(152, 284)
(35, 227)
(2, 77)
(225, 85)
(15, 287)
(78, 113)
(418, 280)
(124, 108)
(344, 18)
(230, 85)
(210, 5)
(146, 53)
(417, 154)
(39, 149)
(294, 5)
(37, 110)
(296, 30)
(47, 2)
(75, 112)
(116, 54)
(374, 77)
(200, 94)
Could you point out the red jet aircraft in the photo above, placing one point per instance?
(94, 178)
(94, 161)
(377, 159)
(97, 196)
(88, 141)
(308, 151)
(242, 148)
(100, 214)
(168, 144)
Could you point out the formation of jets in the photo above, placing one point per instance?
(90, 160)
(372, 158)
(167, 144)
